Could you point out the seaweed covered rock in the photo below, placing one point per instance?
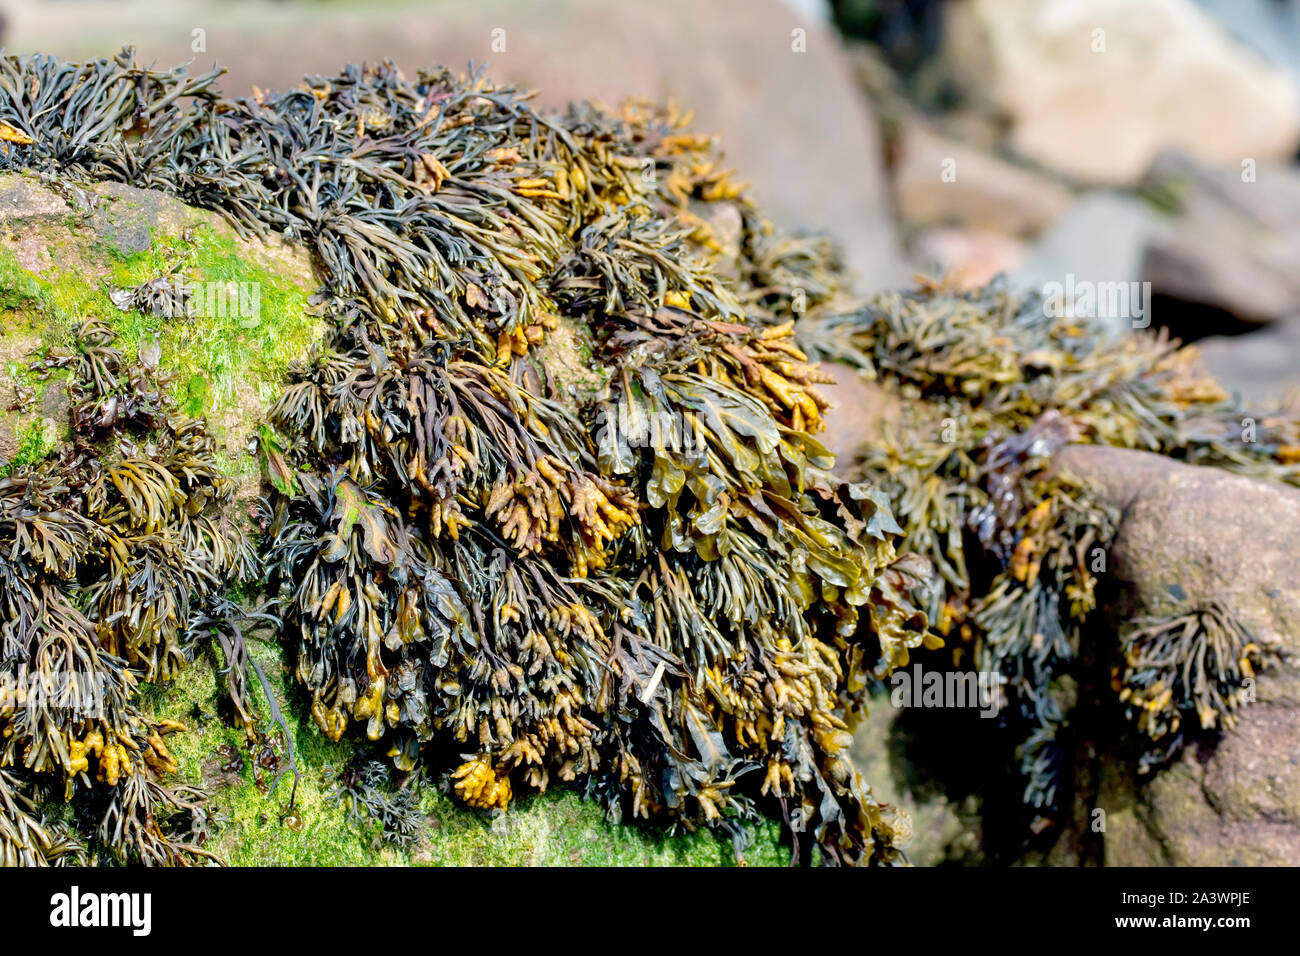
(1038, 461)
(647, 584)
(1203, 538)
(112, 546)
(542, 503)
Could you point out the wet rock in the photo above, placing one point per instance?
(1095, 88)
(1202, 531)
(125, 218)
(945, 827)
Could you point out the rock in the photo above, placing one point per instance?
(1102, 239)
(968, 257)
(1200, 268)
(1095, 88)
(1230, 801)
(1210, 533)
(795, 122)
(1234, 243)
(1215, 536)
(939, 180)
(80, 243)
(945, 827)
(1259, 366)
(26, 203)
(125, 217)
(860, 410)
(1263, 194)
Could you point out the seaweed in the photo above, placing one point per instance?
(994, 382)
(106, 549)
(657, 592)
(367, 787)
(1199, 662)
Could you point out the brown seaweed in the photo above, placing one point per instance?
(106, 550)
(994, 383)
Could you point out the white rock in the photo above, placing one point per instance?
(1095, 88)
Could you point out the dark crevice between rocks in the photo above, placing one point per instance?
(1192, 321)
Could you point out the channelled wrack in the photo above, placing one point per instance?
(993, 382)
(654, 589)
(646, 583)
(107, 549)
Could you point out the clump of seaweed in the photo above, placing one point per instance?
(106, 549)
(654, 612)
(1201, 662)
(26, 838)
(367, 786)
(994, 382)
(655, 590)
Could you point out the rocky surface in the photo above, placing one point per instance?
(1102, 239)
(1187, 116)
(1201, 530)
(945, 825)
(70, 248)
(967, 257)
(1233, 239)
(860, 409)
(1234, 800)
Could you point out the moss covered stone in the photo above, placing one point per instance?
(57, 270)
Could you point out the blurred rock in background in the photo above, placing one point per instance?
(1111, 140)
(1270, 27)
(1095, 88)
(1101, 238)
